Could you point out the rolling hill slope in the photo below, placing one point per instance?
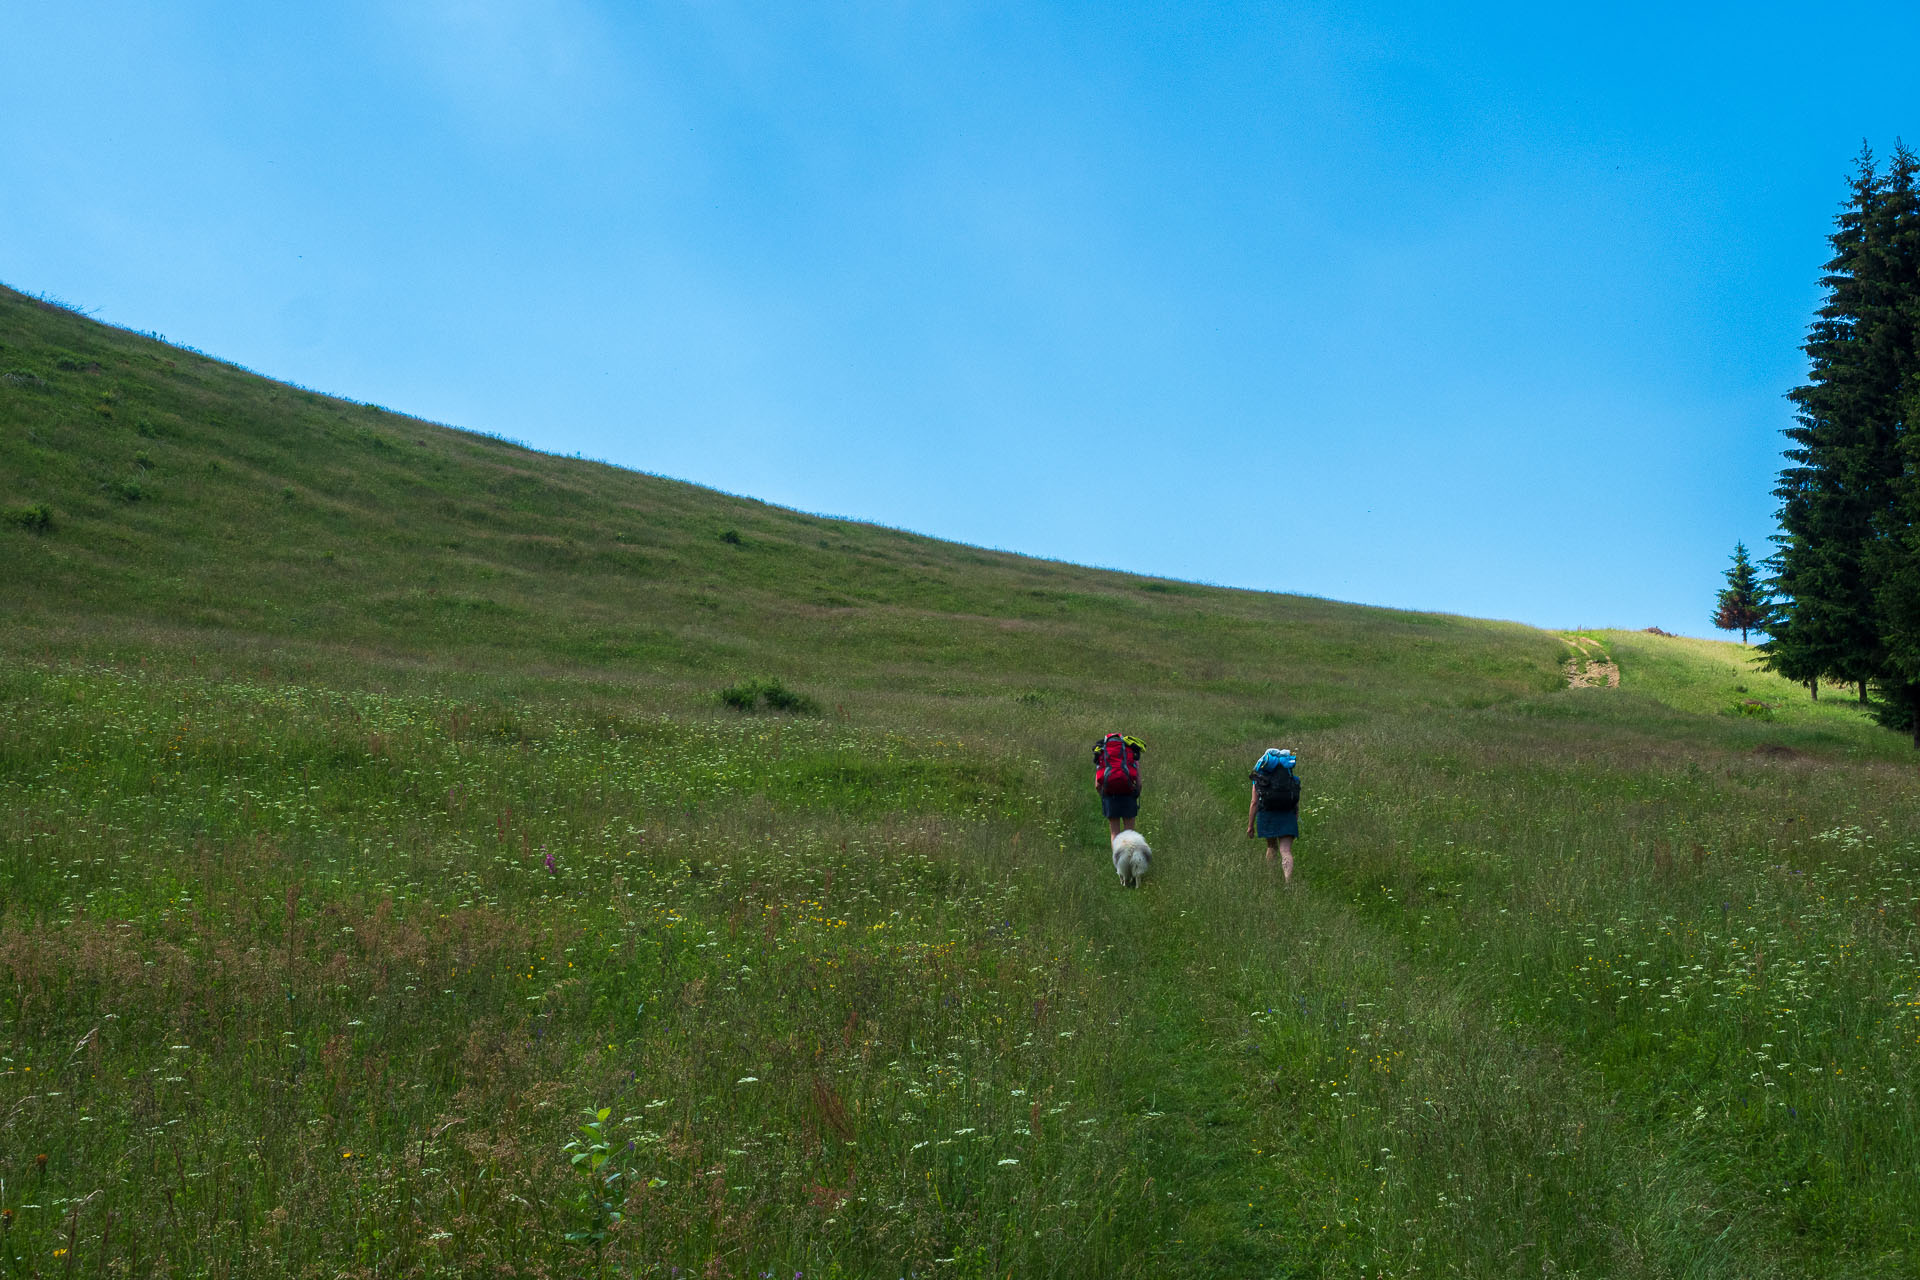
(370, 819)
(195, 498)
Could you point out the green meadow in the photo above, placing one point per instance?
(420, 856)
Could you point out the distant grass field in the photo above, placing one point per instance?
(371, 820)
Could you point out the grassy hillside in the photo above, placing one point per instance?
(193, 502)
(371, 821)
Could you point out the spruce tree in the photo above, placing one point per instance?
(1895, 559)
(1801, 644)
(1742, 606)
(1843, 462)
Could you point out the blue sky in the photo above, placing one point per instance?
(1483, 309)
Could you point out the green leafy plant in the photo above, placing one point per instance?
(602, 1194)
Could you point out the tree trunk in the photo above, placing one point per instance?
(1814, 684)
(1863, 693)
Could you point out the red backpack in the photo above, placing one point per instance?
(1116, 767)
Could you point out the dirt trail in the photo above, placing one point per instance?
(1589, 667)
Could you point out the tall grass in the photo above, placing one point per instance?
(298, 977)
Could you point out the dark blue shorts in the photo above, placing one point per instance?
(1120, 806)
(1271, 823)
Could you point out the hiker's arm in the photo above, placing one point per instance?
(1253, 803)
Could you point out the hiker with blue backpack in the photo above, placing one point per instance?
(1116, 776)
(1273, 812)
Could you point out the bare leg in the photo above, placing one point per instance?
(1273, 848)
(1286, 858)
(1128, 822)
(1113, 827)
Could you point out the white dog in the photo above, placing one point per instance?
(1131, 858)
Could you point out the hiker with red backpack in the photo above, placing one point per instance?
(1116, 776)
(1273, 812)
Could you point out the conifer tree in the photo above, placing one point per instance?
(1895, 562)
(1742, 606)
(1825, 623)
(1838, 493)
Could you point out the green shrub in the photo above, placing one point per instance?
(37, 518)
(750, 694)
(781, 698)
(732, 538)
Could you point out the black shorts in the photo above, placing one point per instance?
(1120, 806)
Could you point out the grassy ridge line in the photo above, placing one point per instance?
(195, 504)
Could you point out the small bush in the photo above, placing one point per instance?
(732, 538)
(37, 518)
(129, 489)
(781, 698)
(751, 694)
